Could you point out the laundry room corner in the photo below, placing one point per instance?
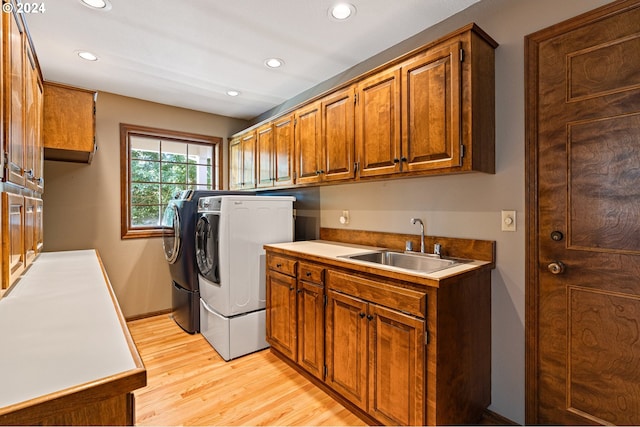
(82, 201)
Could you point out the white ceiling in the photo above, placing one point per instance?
(188, 53)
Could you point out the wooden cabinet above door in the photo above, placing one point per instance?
(69, 123)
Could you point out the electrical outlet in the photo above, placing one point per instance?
(344, 218)
(508, 220)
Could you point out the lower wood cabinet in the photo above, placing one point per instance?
(395, 353)
(22, 236)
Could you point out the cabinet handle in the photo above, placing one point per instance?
(404, 159)
(299, 291)
(278, 265)
(396, 160)
(362, 315)
(308, 274)
(370, 317)
(291, 288)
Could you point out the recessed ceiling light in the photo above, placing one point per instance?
(97, 4)
(232, 92)
(342, 11)
(274, 62)
(87, 55)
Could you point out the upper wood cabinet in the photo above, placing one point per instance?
(34, 150)
(283, 149)
(69, 123)
(275, 153)
(431, 86)
(242, 161)
(308, 144)
(13, 56)
(378, 124)
(338, 135)
(428, 112)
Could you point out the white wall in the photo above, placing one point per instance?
(469, 206)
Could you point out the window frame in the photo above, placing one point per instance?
(128, 130)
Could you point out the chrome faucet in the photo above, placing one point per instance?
(419, 221)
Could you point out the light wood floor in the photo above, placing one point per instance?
(188, 383)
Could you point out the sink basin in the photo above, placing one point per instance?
(408, 261)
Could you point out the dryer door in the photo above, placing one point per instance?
(207, 247)
(171, 233)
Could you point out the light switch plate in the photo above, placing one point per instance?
(508, 220)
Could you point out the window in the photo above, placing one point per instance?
(155, 164)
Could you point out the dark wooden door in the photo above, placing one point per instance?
(583, 292)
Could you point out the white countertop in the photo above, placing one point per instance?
(337, 250)
(59, 328)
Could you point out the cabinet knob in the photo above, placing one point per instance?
(362, 315)
(291, 288)
(396, 160)
(278, 265)
(308, 274)
(404, 159)
(369, 317)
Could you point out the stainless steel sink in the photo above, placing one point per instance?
(408, 261)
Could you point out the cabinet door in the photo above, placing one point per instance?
(308, 144)
(378, 124)
(249, 160)
(346, 340)
(33, 123)
(30, 218)
(15, 99)
(281, 313)
(283, 137)
(68, 123)
(431, 87)
(264, 156)
(311, 328)
(13, 259)
(396, 379)
(39, 232)
(338, 140)
(235, 164)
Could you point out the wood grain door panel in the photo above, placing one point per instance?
(338, 140)
(308, 144)
(378, 124)
(264, 156)
(281, 315)
(583, 110)
(396, 379)
(311, 328)
(283, 136)
(346, 337)
(431, 91)
(248, 148)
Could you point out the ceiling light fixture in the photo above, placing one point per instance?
(88, 56)
(97, 4)
(232, 92)
(274, 62)
(342, 11)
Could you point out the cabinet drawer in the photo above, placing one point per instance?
(405, 300)
(282, 264)
(311, 273)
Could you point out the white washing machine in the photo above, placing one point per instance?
(230, 234)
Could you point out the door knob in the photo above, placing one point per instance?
(556, 267)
